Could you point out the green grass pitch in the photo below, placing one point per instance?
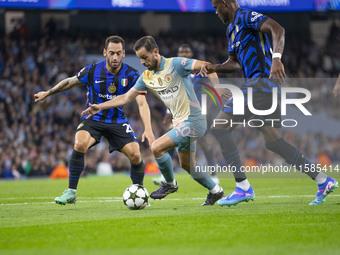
(279, 221)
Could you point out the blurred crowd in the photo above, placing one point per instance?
(35, 138)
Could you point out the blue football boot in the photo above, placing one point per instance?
(324, 189)
(238, 196)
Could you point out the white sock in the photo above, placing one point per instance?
(173, 183)
(216, 189)
(320, 178)
(245, 185)
(73, 190)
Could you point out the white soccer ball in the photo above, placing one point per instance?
(135, 197)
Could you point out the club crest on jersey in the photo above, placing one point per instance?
(124, 82)
(168, 78)
(112, 88)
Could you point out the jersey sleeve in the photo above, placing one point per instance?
(133, 77)
(83, 74)
(230, 43)
(140, 86)
(252, 19)
(183, 65)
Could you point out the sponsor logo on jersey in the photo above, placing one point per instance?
(112, 88)
(80, 125)
(107, 96)
(96, 81)
(168, 78)
(124, 82)
(168, 91)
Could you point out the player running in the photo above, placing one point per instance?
(250, 51)
(169, 80)
(205, 142)
(105, 80)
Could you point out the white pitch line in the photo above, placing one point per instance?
(118, 199)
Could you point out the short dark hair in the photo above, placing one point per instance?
(114, 39)
(148, 42)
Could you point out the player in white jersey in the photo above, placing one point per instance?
(169, 80)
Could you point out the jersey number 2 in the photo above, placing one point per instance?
(128, 128)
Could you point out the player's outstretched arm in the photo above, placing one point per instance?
(65, 84)
(113, 103)
(223, 93)
(144, 112)
(336, 90)
(277, 32)
(202, 64)
(230, 66)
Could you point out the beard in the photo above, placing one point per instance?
(153, 65)
(113, 65)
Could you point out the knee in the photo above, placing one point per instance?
(157, 150)
(135, 158)
(80, 146)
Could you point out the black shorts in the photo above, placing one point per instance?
(261, 101)
(117, 134)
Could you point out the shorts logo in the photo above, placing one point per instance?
(168, 78)
(112, 88)
(80, 125)
(124, 82)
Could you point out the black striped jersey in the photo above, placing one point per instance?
(251, 47)
(103, 86)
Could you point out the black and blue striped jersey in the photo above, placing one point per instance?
(103, 86)
(251, 47)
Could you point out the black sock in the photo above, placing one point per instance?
(230, 153)
(137, 173)
(75, 167)
(292, 156)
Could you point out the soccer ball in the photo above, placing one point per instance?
(135, 197)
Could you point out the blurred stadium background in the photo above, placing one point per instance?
(45, 41)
